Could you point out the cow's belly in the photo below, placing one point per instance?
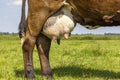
(96, 12)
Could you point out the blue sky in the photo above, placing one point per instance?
(10, 13)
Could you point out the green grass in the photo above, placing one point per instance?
(74, 59)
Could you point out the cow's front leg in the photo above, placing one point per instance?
(27, 47)
(43, 45)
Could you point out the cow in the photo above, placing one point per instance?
(60, 24)
(85, 12)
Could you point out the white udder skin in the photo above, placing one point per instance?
(60, 25)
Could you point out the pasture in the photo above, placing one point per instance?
(82, 57)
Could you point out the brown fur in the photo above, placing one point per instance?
(95, 10)
(86, 12)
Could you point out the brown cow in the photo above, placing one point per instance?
(85, 12)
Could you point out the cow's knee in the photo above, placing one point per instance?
(28, 43)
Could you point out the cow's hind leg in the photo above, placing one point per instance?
(34, 25)
(27, 48)
(43, 45)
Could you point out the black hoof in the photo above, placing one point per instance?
(29, 73)
(47, 76)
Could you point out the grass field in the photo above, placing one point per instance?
(79, 58)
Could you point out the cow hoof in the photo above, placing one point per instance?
(48, 76)
(29, 73)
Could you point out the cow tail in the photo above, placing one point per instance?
(22, 24)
